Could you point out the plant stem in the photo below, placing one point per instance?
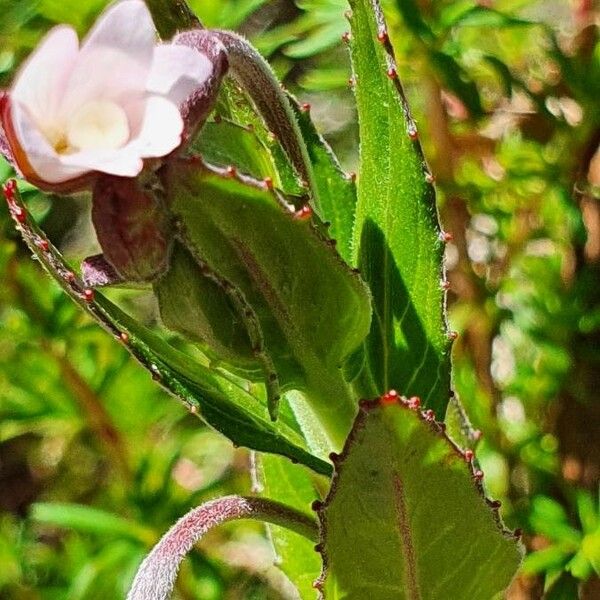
(156, 576)
(334, 405)
(257, 79)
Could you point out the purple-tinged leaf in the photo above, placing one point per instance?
(200, 104)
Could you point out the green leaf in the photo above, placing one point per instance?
(197, 307)
(305, 310)
(587, 511)
(549, 518)
(90, 520)
(294, 485)
(402, 482)
(227, 143)
(590, 548)
(111, 558)
(220, 401)
(552, 557)
(397, 238)
(337, 190)
(239, 137)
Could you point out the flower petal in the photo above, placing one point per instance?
(177, 71)
(127, 26)
(124, 162)
(38, 154)
(5, 149)
(161, 129)
(115, 59)
(40, 83)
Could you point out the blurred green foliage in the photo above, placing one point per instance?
(95, 461)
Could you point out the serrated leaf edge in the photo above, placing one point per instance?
(439, 428)
(49, 257)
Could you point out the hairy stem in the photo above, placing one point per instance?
(256, 77)
(156, 576)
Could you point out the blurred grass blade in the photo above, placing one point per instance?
(90, 520)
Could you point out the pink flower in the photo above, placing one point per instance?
(103, 107)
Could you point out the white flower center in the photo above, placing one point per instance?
(97, 125)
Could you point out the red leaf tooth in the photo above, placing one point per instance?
(390, 397)
(414, 402)
(304, 213)
(429, 415)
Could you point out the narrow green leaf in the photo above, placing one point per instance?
(550, 558)
(307, 310)
(294, 485)
(590, 547)
(402, 482)
(222, 403)
(413, 19)
(397, 239)
(337, 190)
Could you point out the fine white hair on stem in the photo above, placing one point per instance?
(156, 576)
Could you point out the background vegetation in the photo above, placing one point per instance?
(96, 462)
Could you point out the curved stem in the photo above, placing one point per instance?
(156, 576)
(171, 16)
(256, 77)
